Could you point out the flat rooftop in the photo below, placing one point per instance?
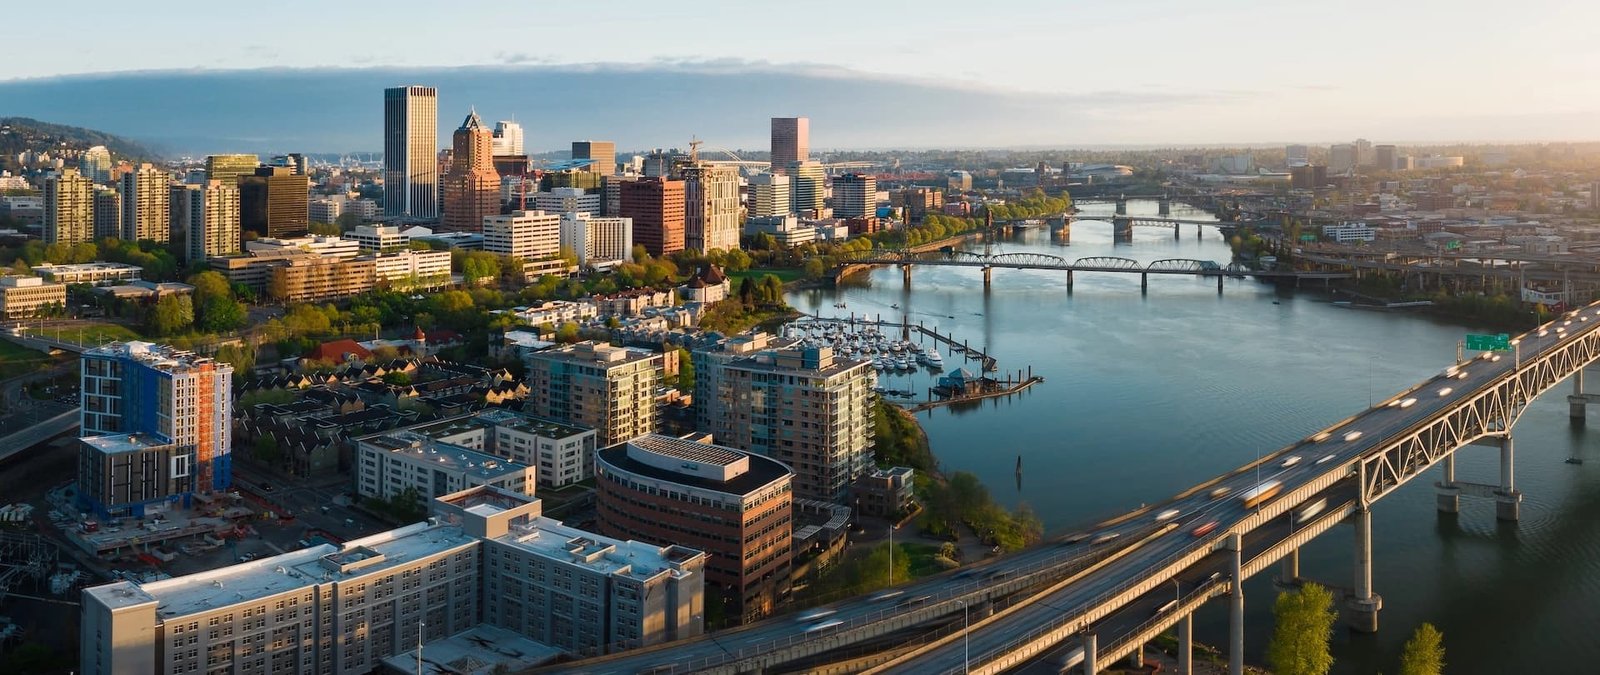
(552, 539)
(537, 426)
(477, 651)
(159, 357)
(444, 455)
(116, 444)
(285, 572)
(761, 473)
(689, 451)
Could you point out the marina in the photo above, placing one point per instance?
(904, 348)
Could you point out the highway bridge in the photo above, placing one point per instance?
(1088, 599)
(908, 259)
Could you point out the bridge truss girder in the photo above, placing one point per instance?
(1182, 265)
(1027, 259)
(1109, 262)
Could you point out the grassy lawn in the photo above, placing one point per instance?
(17, 360)
(922, 555)
(784, 275)
(95, 333)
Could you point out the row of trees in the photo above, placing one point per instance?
(155, 259)
(1303, 627)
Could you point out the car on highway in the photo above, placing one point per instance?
(1289, 461)
(1074, 538)
(815, 615)
(1320, 436)
(824, 626)
(1205, 529)
(1311, 510)
(1167, 515)
(1219, 493)
(1253, 497)
(1543, 333)
(1325, 458)
(1352, 436)
(1105, 538)
(913, 600)
(1408, 402)
(885, 595)
(1445, 392)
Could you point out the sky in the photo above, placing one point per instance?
(1219, 71)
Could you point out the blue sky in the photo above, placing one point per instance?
(1286, 70)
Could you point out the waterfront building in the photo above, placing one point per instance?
(371, 238)
(562, 454)
(157, 427)
(602, 156)
(801, 406)
(230, 168)
(471, 189)
(595, 239)
(855, 195)
(769, 196)
(921, 201)
(410, 142)
(807, 190)
(529, 235)
(95, 164)
(274, 202)
(107, 213)
(28, 296)
(656, 206)
(791, 142)
(734, 506)
(208, 216)
(68, 208)
(146, 204)
(711, 207)
(610, 389)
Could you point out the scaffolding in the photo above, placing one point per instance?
(24, 557)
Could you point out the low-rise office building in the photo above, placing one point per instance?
(389, 463)
(408, 270)
(315, 279)
(29, 296)
(94, 273)
(735, 506)
(562, 453)
(378, 238)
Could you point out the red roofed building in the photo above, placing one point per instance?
(339, 351)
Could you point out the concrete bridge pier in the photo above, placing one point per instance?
(1144, 282)
(1136, 659)
(1069, 282)
(1122, 205)
(1236, 608)
(1219, 284)
(1291, 567)
(1090, 655)
(1363, 607)
(1578, 402)
(905, 275)
(1507, 501)
(988, 277)
(1199, 232)
(1449, 494)
(1121, 229)
(1186, 644)
(1177, 230)
(1165, 206)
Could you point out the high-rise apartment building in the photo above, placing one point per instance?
(1363, 152)
(734, 506)
(769, 196)
(145, 204)
(610, 389)
(95, 164)
(1385, 157)
(507, 138)
(208, 217)
(275, 202)
(68, 208)
(711, 207)
(801, 406)
(656, 206)
(410, 145)
(471, 189)
(808, 189)
(596, 239)
(791, 142)
(529, 235)
(230, 168)
(855, 195)
(603, 156)
(107, 213)
(1341, 158)
(157, 427)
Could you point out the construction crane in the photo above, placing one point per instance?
(694, 149)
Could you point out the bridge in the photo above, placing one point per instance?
(1088, 599)
(907, 259)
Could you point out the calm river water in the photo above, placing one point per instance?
(1147, 395)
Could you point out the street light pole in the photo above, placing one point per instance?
(420, 626)
(966, 645)
(891, 554)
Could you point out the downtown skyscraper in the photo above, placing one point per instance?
(471, 189)
(410, 145)
(791, 142)
(68, 208)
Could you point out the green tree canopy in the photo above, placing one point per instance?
(1303, 626)
(172, 315)
(1424, 652)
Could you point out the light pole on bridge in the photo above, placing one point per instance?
(966, 645)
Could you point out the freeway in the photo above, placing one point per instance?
(1332, 455)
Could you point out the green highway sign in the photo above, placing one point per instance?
(1488, 343)
(1308, 237)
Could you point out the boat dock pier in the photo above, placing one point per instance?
(967, 352)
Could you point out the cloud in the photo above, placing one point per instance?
(520, 58)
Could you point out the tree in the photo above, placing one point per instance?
(567, 333)
(172, 315)
(814, 268)
(685, 370)
(323, 228)
(397, 378)
(1303, 624)
(221, 314)
(209, 284)
(242, 358)
(347, 221)
(1424, 652)
(640, 255)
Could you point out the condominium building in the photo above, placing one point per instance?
(801, 406)
(568, 200)
(94, 273)
(274, 202)
(557, 312)
(529, 235)
(656, 206)
(107, 213)
(855, 195)
(711, 207)
(808, 189)
(410, 143)
(791, 142)
(921, 201)
(230, 168)
(610, 389)
(507, 138)
(602, 156)
(371, 238)
(596, 239)
(410, 270)
(1341, 158)
(324, 210)
(157, 427)
(68, 208)
(95, 164)
(145, 204)
(209, 216)
(734, 506)
(390, 463)
(29, 296)
(488, 557)
(769, 196)
(471, 189)
(316, 279)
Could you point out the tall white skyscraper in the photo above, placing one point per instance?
(507, 138)
(146, 196)
(95, 164)
(808, 187)
(769, 196)
(209, 215)
(410, 152)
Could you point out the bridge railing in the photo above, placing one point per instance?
(1197, 596)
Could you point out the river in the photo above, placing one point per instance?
(1146, 395)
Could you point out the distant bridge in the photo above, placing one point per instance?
(907, 259)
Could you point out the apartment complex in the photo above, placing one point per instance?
(410, 139)
(855, 195)
(95, 163)
(208, 215)
(107, 213)
(471, 189)
(735, 506)
(562, 453)
(711, 207)
(28, 296)
(656, 206)
(609, 389)
(145, 204)
(390, 463)
(157, 427)
(68, 208)
(529, 235)
(791, 142)
(602, 156)
(597, 239)
(274, 202)
(488, 557)
(410, 270)
(801, 406)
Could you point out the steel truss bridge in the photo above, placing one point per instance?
(907, 259)
(1082, 606)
